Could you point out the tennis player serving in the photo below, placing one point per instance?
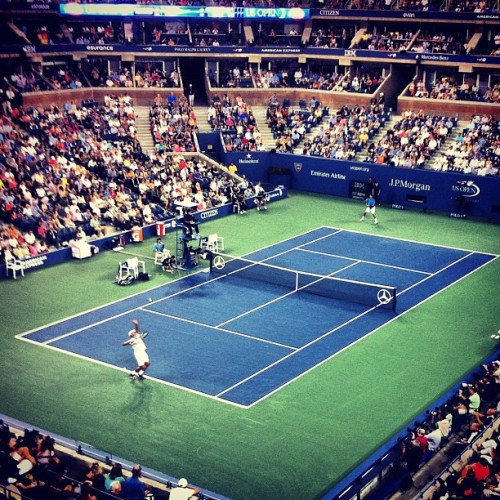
(369, 209)
(140, 351)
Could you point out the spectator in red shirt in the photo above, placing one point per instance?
(481, 469)
(422, 440)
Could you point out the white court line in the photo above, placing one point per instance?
(438, 272)
(407, 240)
(336, 353)
(166, 284)
(289, 249)
(362, 261)
(97, 308)
(234, 318)
(317, 339)
(335, 232)
(127, 371)
(217, 327)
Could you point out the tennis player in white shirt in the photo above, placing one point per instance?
(140, 351)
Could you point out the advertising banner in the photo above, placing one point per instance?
(457, 194)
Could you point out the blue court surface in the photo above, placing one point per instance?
(237, 340)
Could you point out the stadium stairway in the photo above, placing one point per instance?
(260, 114)
(388, 125)
(311, 135)
(438, 159)
(201, 113)
(144, 129)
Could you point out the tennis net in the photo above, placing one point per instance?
(326, 286)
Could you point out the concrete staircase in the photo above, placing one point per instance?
(362, 155)
(201, 113)
(144, 129)
(311, 135)
(388, 125)
(438, 159)
(268, 140)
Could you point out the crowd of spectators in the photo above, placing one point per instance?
(387, 41)
(171, 34)
(277, 35)
(98, 34)
(476, 150)
(60, 77)
(168, 179)
(347, 132)
(144, 77)
(63, 78)
(63, 142)
(331, 37)
(74, 32)
(35, 78)
(217, 33)
(172, 179)
(300, 78)
(290, 126)
(31, 464)
(449, 88)
(68, 169)
(231, 76)
(439, 43)
(412, 141)
(44, 35)
(492, 94)
(76, 172)
(212, 35)
(27, 81)
(418, 89)
(236, 122)
(269, 79)
(472, 6)
(462, 425)
(364, 83)
(418, 5)
(316, 80)
(411, 5)
(173, 123)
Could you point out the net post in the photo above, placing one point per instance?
(210, 257)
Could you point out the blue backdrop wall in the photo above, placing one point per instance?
(456, 194)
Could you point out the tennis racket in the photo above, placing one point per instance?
(144, 335)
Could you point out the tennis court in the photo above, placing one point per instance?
(238, 338)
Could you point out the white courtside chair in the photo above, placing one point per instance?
(220, 243)
(211, 243)
(15, 266)
(123, 271)
(161, 256)
(135, 266)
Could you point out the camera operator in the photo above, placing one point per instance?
(471, 400)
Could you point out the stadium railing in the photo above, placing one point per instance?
(375, 473)
(87, 451)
